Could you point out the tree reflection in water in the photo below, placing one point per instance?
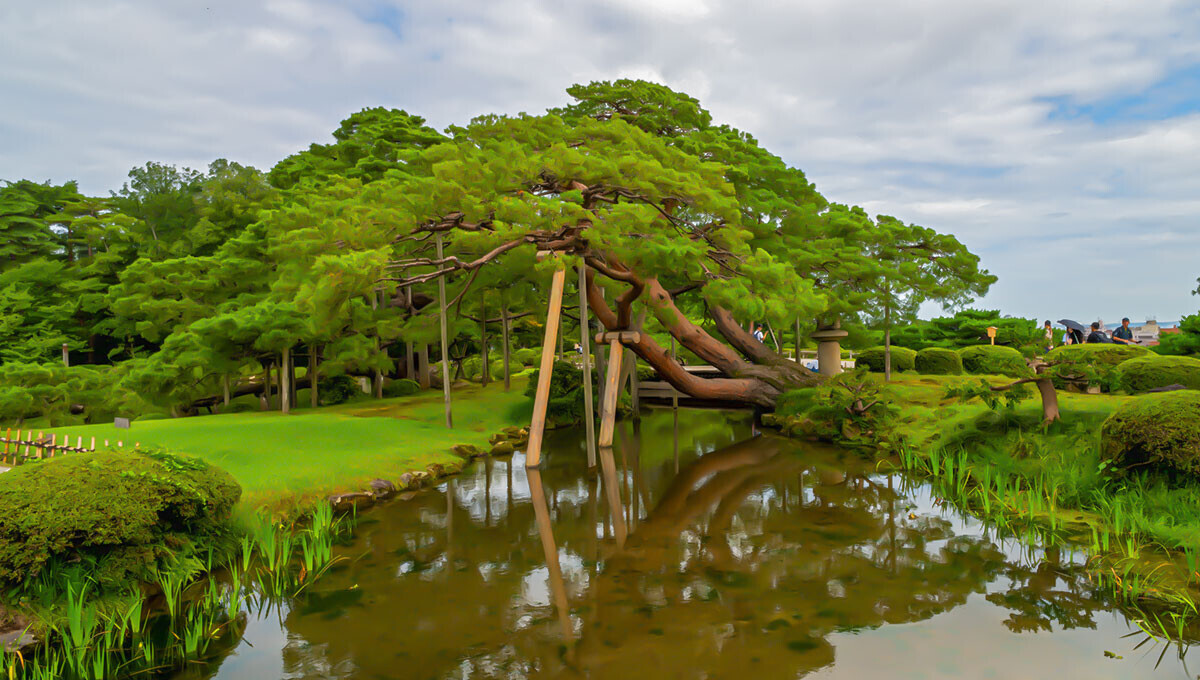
(694, 558)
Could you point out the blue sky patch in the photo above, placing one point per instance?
(1176, 94)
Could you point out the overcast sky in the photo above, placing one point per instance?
(1059, 140)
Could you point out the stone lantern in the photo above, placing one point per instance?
(829, 349)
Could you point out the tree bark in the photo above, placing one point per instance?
(285, 387)
(225, 390)
(312, 375)
(504, 334)
(483, 341)
(887, 343)
(423, 366)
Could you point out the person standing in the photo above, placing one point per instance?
(1123, 335)
(759, 335)
(1096, 336)
(1049, 335)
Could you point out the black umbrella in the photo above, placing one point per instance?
(1073, 325)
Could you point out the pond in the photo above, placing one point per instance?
(698, 548)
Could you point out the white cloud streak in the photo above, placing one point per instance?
(938, 112)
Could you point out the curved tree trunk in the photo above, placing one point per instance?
(751, 383)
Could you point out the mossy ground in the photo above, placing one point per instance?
(282, 461)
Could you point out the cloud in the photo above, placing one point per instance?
(1058, 141)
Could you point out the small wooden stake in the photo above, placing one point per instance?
(608, 409)
(93, 443)
(53, 444)
(41, 451)
(541, 399)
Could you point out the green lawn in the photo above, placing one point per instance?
(281, 460)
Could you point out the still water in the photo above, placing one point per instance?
(698, 548)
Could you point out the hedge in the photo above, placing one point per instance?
(903, 359)
(401, 388)
(526, 356)
(1151, 371)
(939, 361)
(993, 360)
(1094, 363)
(1155, 431)
(123, 511)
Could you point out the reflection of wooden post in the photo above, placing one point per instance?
(541, 399)
(445, 344)
(608, 409)
(589, 414)
(633, 386)
(557, 586)
(608, 468)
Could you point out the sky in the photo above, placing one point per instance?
(1060, 141)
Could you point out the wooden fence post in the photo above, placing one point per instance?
(541, 399)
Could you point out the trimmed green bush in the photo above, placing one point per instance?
(401, 388)
(337, 389)
(993, 360)
(124, 511)
(471, 367)
(1151, 371)
(939, 361)
(903, 359)
(1156, 432)
(526, 356)
(497, 369)
(1093, 363)
(566, 392)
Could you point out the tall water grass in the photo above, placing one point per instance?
(200, 606)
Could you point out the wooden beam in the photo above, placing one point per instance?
(589, 413)
(625, 337)
(445, 343)
(541, 399)
(608, 410)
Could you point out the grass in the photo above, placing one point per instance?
(1142, 532)
(284, 460)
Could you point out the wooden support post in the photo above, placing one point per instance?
(7, 442)
(79, 443)
(445, 343)
(541, 399)
(797, 339)
(675, 393)
(93, 443)
(53, 444)
(225, 390)
(486, 374)
(285, 387)
(41, 452)
(313, 375)
(377, 378)
(589, 412)
(608, 408)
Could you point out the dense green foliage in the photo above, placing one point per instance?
(993, 360)
(939, 361)
(337, 389)
(124, 511)
(400, 388)
(1156, 432)
(1148, 372)
(566, 405)
(903, 359)
(1093, 363)
(966, 328)
(1184, 343)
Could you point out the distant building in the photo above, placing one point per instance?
(1147, 333)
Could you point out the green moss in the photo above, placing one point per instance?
(903, 359)
(1156, 431)
(1151, 371)
(526, 356)
(122, 510)
(993, 360)
(939, 361)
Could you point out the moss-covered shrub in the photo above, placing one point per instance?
(124, 511)
(1151, 371)
(939, 361)
(526, 356)
(1093, 364)
(401, 388)
(337, 389)
(993, 360)
(1155, 432)
(903, 359)
(497, 369)
(566, 393)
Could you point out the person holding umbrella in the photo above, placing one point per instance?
(1074, 332)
